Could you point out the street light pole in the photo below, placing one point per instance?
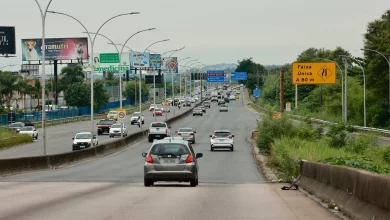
(388, 62)
(43, 19)
(345, 61)
(140, 79)
(91, 60)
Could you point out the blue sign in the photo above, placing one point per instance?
(216, 76)
(238, 76)
(256, 93)
(216, 79)
(216, 71)
(155, 61)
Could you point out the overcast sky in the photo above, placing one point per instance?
(214, 31)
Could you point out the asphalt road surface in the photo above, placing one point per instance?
(231, 186)
(59, 138)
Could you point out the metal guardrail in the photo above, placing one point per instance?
(319, 121)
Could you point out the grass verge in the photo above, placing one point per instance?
(286, 143)
(9, 138)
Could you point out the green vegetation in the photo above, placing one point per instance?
(287, 143)
(310, 96)
(9, 138)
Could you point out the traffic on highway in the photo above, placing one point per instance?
(194, 110)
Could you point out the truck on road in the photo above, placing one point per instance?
(158, 130)
(104, 126)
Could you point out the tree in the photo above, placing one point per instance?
(9, 84)
(78, 94)
(255, 73)
(70, 75)
(130, 87)
(112, 80)
(377, 38)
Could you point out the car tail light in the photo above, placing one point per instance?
(179, 134)
(230, 137)
(166, 130)
(213, 137)
(191, 133)
(148, 130)
(149, 159)
(190, 158)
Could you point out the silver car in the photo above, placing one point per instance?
(222, 139)
(172, 161)
(187, 134)
(223, 108)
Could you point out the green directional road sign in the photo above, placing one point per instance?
(109, 58)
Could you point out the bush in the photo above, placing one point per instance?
(337, 135)
(271, 129)
(10, 138)
(386, 155)
(360, 143)
(358, 162)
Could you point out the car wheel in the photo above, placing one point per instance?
(36, 138)
(131, 123)
(211, 148)
(143, 122)
(147, 183)
(232, 148)
(193, 182)
(150, 139)
(193, 141)
(197, 181)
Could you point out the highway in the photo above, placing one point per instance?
(231, 185)
(59, 138)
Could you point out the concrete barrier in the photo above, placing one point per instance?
(18, 165)
(15, 165)
(358, 193)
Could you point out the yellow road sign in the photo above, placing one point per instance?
(276, 115)
(314, 73)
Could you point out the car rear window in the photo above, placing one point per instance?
(159, 125)
(185, 130)
(169, 148)
(222, 134)
(106, 122)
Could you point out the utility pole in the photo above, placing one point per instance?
(282, 91)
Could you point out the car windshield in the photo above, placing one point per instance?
(15, 125)
(222, 134)
(136, 114)
(106, 122)
(185, 130)
(223, 106)
(169, 148)
(158, 125)
(26, 129)
(116, 126)
(83, 136)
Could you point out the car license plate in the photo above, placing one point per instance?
(170, 161)
(82, 146)
(221, 140)
(157, 135)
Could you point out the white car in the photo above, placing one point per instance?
(135, 117)
(222, 139)
(30, 130)
(196, 98)
(115, 130)
(83, 140)
(232, 97)
(152, 107)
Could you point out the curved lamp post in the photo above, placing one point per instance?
(388, 62)
(91, 60)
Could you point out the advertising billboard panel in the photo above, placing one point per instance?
(56, 49)
(139, 60)
(170, 64)
(7, 40)
(109, 62)
(155, 61)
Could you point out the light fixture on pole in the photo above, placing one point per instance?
(43, 20)
(388, 62)
(123, 46)
(92, 42)
(140, 79)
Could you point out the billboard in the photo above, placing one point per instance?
(7, 40)
(155, 61)
(139, 60)
(56, 49)
(170, 64)
(109, 62)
